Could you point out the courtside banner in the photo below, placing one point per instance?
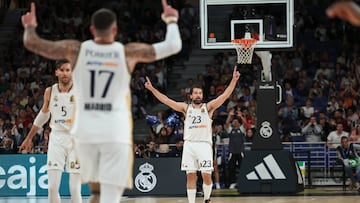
(158, 176)
(26, 175)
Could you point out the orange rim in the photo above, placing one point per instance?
(246, 43)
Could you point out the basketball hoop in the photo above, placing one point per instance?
(244, 48)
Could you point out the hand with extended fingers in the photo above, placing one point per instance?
(29, 18)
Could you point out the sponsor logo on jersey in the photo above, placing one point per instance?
(99, 63)
(59, 121)
(197, 126)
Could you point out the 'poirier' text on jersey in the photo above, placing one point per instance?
(61, 106)
(197, 125)
(103, 99)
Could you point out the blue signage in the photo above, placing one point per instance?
(26, 175)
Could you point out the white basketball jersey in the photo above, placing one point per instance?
(197, 125)
(61, 106)
(103, 99)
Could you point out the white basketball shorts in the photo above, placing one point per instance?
(61, 153)
(110, 163)
(197, 156)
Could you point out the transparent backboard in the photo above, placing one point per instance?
(269, 21)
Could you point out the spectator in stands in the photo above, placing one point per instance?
(150, 151)
(8, 137)
(250, 132)
(139, 151)
(289, 117)
(233, 101)
(7, 146)
(352, 116)
(347, 153)
(216, 139)
(162, 137)
(308, 110)
(312, 130)
(315, 90)
(178, 149)
(332, 104)
(348, 95)
(355, 134)
(326, 129)
(334, 138)
(289, 91)
(235, 126)
(339, 117)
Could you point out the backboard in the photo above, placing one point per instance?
(270, 21)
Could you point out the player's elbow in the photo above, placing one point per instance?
(176, 45)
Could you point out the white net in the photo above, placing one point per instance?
(245, 50)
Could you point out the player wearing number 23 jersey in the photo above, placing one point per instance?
(197, 152)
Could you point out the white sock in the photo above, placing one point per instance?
(207, 191)
(217, 185)
(75, 187)
(54, 179)
(191, 195)
(110, 193)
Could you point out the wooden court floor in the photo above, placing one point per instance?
(242, 199)
(314, 195)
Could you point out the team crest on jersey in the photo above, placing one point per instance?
(49, 163)
(72, 98)
(202, 110)
(56, 98)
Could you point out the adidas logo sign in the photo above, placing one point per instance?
(267, 170)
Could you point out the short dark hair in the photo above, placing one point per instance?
(195, 86)
(102, 19)
(59, 63)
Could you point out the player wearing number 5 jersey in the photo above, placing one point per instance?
(59, 101)
(103, 121)
(197, 152)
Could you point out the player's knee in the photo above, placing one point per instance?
(94, 187)
(53, 189)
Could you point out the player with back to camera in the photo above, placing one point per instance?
(197, 151)
(102, 71)
(58, 104)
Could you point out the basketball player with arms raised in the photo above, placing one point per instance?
(58, 103)
(102, 71)
(197, 152)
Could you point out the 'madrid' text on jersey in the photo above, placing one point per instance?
(98, 106)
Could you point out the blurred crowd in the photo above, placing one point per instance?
(319, 78)
(24, 76)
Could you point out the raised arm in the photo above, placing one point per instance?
(42, 117)
(141, 52)
(216, 103)
(345, 10)
(177, 106)
(63, 49)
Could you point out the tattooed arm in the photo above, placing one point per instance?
(64, 49)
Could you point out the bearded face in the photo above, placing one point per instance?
(197, 96)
